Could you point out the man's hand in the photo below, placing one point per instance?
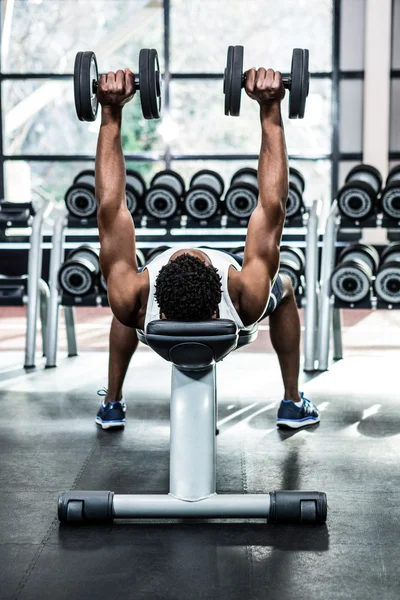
(264, 86)
(116, 89)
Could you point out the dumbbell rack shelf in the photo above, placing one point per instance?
(347, 230)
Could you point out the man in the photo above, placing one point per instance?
(194, 284)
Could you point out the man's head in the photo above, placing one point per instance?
(188, 287)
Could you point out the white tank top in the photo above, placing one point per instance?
(220, 261)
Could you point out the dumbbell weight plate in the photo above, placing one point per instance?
(300, 83)
(135, 180)
(351, 281)
(86, 176)
(289, 267)
(86, 76)
(246, 175)
(161, 202)
(233, 80)
(367, 174)
(209, 178)
(387, 282)
(294, 202)
(80, 201)
(362, 252)
(297, 178)
(390, 199)
(201, 202)
(77, 277)
(150, 83)
(296, 255)
(132, 199)
(87, 253)
(170, 179)
(356, 200)
(391, 253)
(241, 200)
(394, 175)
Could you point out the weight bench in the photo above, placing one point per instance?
(193, 349)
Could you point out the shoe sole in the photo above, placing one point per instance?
(292, 424)
(110, 424)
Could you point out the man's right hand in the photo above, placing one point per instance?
(116, 89)
(264, 86)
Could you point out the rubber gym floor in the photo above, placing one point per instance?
(49, 443)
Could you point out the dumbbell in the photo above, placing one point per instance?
(357, 199)
(79, 273)
(86, 82)
(140, 263)
(295, 204)
(297, 82)
(203, 198)
(387, 282)
(162, 199)
(390, 199)
(80, 198)
(242, 196)
(352, 277)
(292, 263)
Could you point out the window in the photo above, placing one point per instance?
(43, 137)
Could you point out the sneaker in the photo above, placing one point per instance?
(111, 414)
(293, 416)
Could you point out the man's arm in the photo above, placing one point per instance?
(115, 223)
(261, 254)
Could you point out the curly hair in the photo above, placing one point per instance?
(188, 290)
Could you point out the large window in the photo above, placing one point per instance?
(45, 144)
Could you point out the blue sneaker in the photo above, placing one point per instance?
(111, 414)
(293, 416)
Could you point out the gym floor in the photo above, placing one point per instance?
(49, 443)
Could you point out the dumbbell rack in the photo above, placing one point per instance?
(29, 290)
(330, 306)
(180, 231)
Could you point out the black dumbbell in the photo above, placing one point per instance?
(140, 263)
(295, 204)
(297, 82)
(390, 199)
(81, 207)
(203, 198)
(387, 282)
(80, 198)
(162, 200)
(357, 199)
(242, 196)
(79, 273)
(351, 279)
(86, 81)
(292, 263)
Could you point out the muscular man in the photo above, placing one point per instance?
(195, 284)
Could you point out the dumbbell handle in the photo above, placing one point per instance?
(286, 80)
(96, 83)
